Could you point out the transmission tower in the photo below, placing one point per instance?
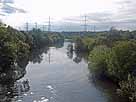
(94, 28)
(49, 25)
(36, 26)
(85, 23)
(43, 28)
(27, 26)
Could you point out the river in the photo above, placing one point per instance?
(59, 76)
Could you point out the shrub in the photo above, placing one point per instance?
(128, 88)
(98, 58)
(122, 59)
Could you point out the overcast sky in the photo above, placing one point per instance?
(101, 13)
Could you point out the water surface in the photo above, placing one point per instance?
(59, 76)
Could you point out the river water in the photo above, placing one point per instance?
(59, 76)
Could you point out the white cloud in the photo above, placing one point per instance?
(99, 12)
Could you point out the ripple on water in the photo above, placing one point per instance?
(25, 94)
(42, 100)
(45, 100)
(19, 100)
(50, 87)
(31, 93)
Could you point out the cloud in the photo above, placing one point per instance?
(123, 18)
(127, 8)
(7, 7)
(118, 13)
(2, 14)
(7, 1)
(99, 17)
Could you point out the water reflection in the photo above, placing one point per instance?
(37, 54)
(14, 73)
(70, 50)
(58, 44)
(10, 91)
(76, 56)
(70, 54)
(10, 88)
(13, 90)
(105, 86)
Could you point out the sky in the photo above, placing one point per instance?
(68, 15)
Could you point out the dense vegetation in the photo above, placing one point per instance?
(112, 55)
(13, 47)
(41, 39)
(17, 47)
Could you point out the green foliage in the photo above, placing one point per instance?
(55, 38)
(13, 46)
(128, 88)
(84, 44)
(97, 58)
(112, 54)
(122, 60)
(41, 39)
(118, 63)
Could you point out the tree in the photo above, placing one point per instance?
(122, 59)
(97, 58)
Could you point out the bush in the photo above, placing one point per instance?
(122, 59)
(128, 88)
(98, 58)
(84, 44)
(13, 47)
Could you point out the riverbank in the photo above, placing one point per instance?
(16, 48)
(112, 55)
(56, 75)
